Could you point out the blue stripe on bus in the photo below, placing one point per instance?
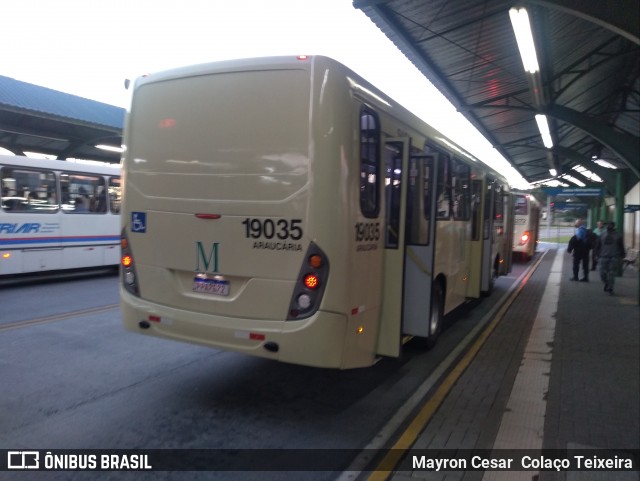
(58, 240)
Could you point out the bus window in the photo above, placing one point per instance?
(461, 190)
(419, 200)
(115, 194)
(498, 198)
(444, 188)
(429, 174)
(476, 213)
(393, 189)
(369, 163)
(29, 191)
(82, 194)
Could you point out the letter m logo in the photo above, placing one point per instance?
(208, 260)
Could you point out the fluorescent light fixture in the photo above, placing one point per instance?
(524, 37)
(553, 172)
(38, 155)
(604, 163)
(551, 183)
(574, 180)
(543, 126)
(587, 173)
(110, 148)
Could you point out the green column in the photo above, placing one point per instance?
(619, 211)
(604, 212)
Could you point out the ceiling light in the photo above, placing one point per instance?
(587, 173)
(604, 163)
(574, 180)
(543, 126)
(524, 37)
(110, 148)
(553, 172)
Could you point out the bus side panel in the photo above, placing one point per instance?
(41, 259)
(351, 241)
(87, 238)
(452, 260)
(30, 242)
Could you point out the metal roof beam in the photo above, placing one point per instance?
(621, 16)
(625, 145)
(607, 175)
(403, 40)
(367, 3)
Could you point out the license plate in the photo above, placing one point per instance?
(211, 286)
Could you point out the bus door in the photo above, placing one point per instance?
(476, 243)
(420, 246)
(395, 159)
(408, 255)
(488, 275)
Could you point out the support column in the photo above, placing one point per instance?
(619, 211)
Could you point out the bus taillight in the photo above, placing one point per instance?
(127, 261)
(315, 261)
(127, 266)
(524, 238)
(310, 284)
(311, 281)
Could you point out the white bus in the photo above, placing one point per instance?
(286, 208)
(57, 215)
(527, 221)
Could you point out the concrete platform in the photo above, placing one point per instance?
(560, 371)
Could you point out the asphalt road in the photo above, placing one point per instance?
(73, 378)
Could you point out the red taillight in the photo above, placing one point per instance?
(311, 281)
(524, 238)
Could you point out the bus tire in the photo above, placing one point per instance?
(435, 315)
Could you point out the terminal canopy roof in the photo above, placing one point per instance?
(588, 84)
(38, 119)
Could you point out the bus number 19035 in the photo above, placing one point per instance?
(283, 229)
(367, 231)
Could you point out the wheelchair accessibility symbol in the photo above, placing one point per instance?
(139, 222)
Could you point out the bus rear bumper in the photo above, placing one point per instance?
(318, 341)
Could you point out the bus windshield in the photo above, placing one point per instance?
(521, 207)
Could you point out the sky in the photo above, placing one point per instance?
(89, 47)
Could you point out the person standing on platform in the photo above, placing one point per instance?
(610, 249)
(579, 246)
(598, 231)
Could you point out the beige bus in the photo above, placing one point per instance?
(527, 223)
(286, 208)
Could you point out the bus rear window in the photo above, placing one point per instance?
(220, 137)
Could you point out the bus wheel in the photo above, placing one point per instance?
(435, 316)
